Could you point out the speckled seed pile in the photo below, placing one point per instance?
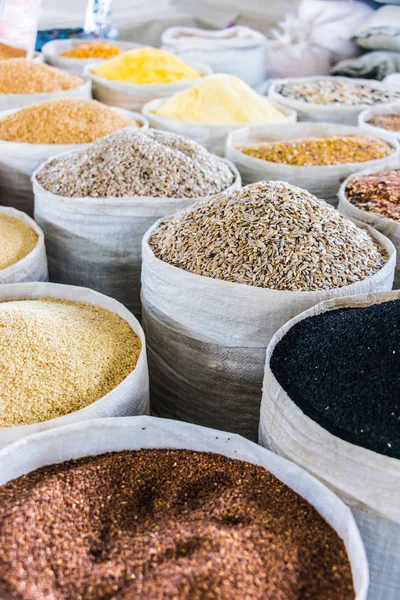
(17, 240)
(21, 76)
(138, 163)
(57, 357)
(311, 152)
(165, 525)
(390, 122)
(377, 193)
(62, 121)
(326, 91)
(92, 50)
(269, 234)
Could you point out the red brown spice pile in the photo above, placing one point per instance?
(390, 122)
(378, 193)
(165, 524)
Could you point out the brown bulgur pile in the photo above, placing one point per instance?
(17, 240)
(377, 193)
(21, 76)
(390, 122)
(7, 51)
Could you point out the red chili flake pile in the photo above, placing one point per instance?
(163, 525)
(378, 193)
(390, 122)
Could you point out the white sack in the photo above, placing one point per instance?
(33, 267)
(381, 31)
(206, 338)
(286, 58)
(212, 137)
(392, 81)
(368, 482)
(130, 397)
(108, 435)
(10, 101)
(323, 181)
(96, 242)
(370, 113)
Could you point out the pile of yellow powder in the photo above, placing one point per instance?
(57, 357)
(21, 76)
(146, 66)
(17, 240)
(62, 121)
(219, 100)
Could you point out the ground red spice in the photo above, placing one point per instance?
(165, 524)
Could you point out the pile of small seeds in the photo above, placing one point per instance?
(132, 162)
(17, 240)
(165, 525)
(269, 234)
(92, 50)
(342, 368)
(390, 122)
(325, 91)
(378, 193)
(57, 357)
(62, 121)
(310, 152)
(21, 76)
(7, 52)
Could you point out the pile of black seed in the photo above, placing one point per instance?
(342, 368)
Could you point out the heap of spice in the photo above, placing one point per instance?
(17, 240)
(132, 162)
(332, 91)
(146, 66)
(271, 235)
(312, 152)
(7, 52)
(57, 357)
(62, 121)
(92, 50)
(21, 76)
(391, 122)
(219, 100)
(165, 525)
(342, 368)
(377, 193)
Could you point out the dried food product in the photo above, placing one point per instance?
(62, 121)
(92, 50)
(57, 357)
(391, 122)
(7, 51)
(132, 162)
(311, 152)
(21, 76)
(269, 234)
(342, 368)
(377, 193)
(17, 240)
(163, 525)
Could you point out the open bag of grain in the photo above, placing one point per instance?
(381, 120)
(333, 99)
(314, 156)
(221, 277)
(31, 135)
(22, 249)
(199, 511)
(96, 204)
(331, 404)
(68, 354)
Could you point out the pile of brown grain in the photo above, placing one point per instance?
(21, 76)
(17, 240)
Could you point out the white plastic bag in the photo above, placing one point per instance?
(18, 161)
(368, 482)
(96, 242)
(132, 96)
(381, 31)
(10, 101)
(130, 397)
(235, 50)
(370, 113)
(114, 435)
(206, 338)
(324, 182)
(33, 267)
(212, 137)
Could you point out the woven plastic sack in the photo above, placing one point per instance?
(132, 96)
(108, 435)
(368, 482)
(381, 31)
(206, 339)
(213, 137)
(18, 161)
(33, 267)
(370, 113)
(130, 397)
(389, 227)
(323, 182)
(10, 101)
(96, 242)
(333, 113)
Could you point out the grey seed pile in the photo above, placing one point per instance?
(138, 163)
(269, 234)
(327, 91)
